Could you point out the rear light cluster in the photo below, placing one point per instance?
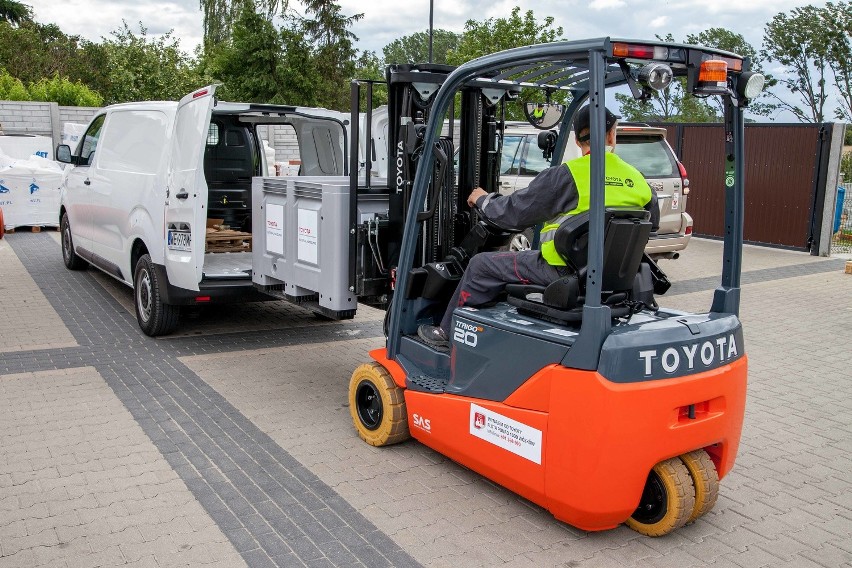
(658, 52)
(683, 178)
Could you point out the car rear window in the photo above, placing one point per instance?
(648, 154)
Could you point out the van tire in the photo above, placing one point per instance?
(69, 257)
(154, 317)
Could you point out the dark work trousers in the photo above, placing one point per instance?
(489, 272)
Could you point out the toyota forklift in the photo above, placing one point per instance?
(584, 396)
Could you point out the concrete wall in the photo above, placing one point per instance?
(80, 115)
(24, 117)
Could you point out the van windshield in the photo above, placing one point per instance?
(647, 153)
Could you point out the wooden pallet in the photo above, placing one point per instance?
(32, 228)
(228, 241)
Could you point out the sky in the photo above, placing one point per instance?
(386, 20)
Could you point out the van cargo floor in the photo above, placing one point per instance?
(227, 265)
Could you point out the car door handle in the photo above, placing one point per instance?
(87, 182)
(182, 194)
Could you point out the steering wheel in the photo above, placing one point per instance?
(492, 227)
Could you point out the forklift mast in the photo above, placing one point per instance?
(467, 155)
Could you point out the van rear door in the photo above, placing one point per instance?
(186, 197)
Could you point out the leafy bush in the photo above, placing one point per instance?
(58, 89)
(63, 91)
(11, 89)
(846, 167)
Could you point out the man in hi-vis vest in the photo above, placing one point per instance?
(553, 196)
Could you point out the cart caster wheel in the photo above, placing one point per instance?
(667, 500)
(377, 406)
(704, 479)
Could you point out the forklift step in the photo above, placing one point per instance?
(427, 384)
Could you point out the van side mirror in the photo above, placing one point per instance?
(63, 153)
(544, 115)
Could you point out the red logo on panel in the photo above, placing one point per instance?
(478, 420)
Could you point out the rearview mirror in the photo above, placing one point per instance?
(544, 115)
(63, 153)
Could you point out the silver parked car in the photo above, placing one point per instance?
(643, 146)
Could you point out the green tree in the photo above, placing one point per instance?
(414, 48)
(248, 64)
(368, 66)
(837, 25)
(14, 12)
(498, 34)
(798, 41)
(33, 51)
(139, 68)
(262, 64)
(220, 15)
(327, 28)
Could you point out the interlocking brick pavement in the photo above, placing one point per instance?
(277, 391)
(27, 320)
(81, 483)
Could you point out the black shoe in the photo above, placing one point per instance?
(434, 336)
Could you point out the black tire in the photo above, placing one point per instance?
(667, 501)
(154, 317)
(69, 257)
(377, 406)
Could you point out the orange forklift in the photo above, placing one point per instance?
(585, 396)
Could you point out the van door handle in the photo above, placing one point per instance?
(182, 194)
(87, 182)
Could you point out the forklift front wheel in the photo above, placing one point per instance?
(667, 500)
(704, 478)
(377, 406)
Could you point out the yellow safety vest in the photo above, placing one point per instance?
(624, 187)
(538, 112)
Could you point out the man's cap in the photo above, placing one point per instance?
(582, 121)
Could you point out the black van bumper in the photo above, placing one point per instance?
(211, 291)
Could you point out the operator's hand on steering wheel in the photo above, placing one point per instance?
(475, 195)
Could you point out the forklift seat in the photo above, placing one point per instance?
(626, 235)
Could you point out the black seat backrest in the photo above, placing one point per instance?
(626, 235)
(231, 158)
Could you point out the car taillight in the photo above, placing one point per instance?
(683, 178)
(688, 230)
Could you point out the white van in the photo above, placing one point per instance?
(146, 177)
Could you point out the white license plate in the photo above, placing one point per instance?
(180, 240)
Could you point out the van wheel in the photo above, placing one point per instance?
(377, 406)
(69, 257)
(667, 500)
(154, 317)
(704, 478)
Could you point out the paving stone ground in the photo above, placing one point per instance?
(81, 483)
(243, 418)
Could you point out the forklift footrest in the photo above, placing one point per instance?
(427, 384)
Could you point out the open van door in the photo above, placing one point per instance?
(186, 196)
